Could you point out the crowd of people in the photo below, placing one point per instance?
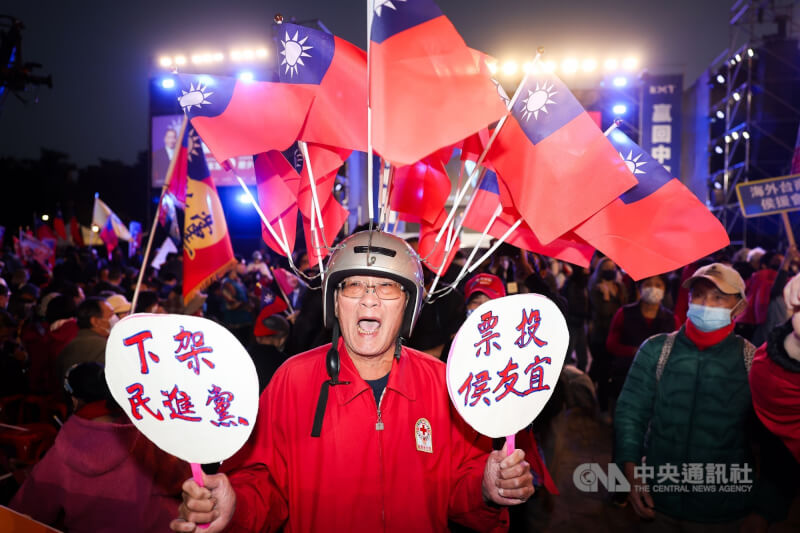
(669, 362)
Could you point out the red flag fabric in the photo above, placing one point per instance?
(655, 227)
(285, 280)
(59, 227)
(569, 247)
(75, 231)
(325, 164)
(32, 249)
(427, 89)
(419, 192)
(237, 117)
(554, 164)
(207, 250)
(432, 253)
(337, 72)
(44, 231)
(109, 236)
(276, 182)
(334, 216)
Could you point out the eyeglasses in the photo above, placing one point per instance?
(385, 290)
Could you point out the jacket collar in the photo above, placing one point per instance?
(400, 378)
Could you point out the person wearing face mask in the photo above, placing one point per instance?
(606, 295)
(632, 325)
(686, 401)
(95, 319)
(757, 291)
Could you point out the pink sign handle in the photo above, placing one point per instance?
(197, 475)
(510, 444)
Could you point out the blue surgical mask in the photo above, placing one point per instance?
(709, 318)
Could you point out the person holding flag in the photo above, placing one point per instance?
(346, 460)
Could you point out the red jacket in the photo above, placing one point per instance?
(354, 477)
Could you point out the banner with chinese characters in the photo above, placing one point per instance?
(505, 361)
(770, 196)
(660, 120)
(185, 382)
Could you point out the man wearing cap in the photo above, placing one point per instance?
(683, 418)
(482, 288)
(120, 305)
(360, 435)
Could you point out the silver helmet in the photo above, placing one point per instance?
(373, 253)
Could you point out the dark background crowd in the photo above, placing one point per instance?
(54, 324)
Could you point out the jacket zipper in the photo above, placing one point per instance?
(379, 429)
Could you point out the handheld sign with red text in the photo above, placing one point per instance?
(185, 382)
(505, 361)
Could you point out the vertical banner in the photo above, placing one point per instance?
(660, 120)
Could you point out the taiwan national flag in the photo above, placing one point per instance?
(109, 236)
(485, 200)
(432, 253)
(59, 227)
(325, 162)
(207, 250)
(427, 88)
(337, 73)
(655, 227)
(277, 182)
(554, 163)
(334, 216)
(236, 117)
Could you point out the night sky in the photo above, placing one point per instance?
(101, 53)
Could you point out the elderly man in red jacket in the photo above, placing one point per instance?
(380, 448)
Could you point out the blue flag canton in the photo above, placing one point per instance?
(196, 166)
(201, 95)
(544, 106)
(489, 183)
(390, 17)
(305, 54)
(647, 171)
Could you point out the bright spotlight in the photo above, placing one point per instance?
(492, 66)
(611, 64)
(529, 67)
(620, 81)
(750, 52)
(248, 55)
(589, 65)
(630, 63)
(168, 83)
(619, 109)
(510, 68)
(733, 62)
(246, 76)
(718, 149)
(569, 66)
(219, 56)
(720, 114)
(261, 53)
(180, 60)
(738, 58)
(244, 198)
(549, 66)
(197, 59)
(745, 134)
(717, 185)
(95, 228)
(236, 55)
(165, 61)
(735, 135)
(737, 96)
(720, 78)
(45, 217)
(727, 139)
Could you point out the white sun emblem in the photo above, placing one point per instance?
(537, 100)
(193, 147)
(633, 163)
(500, 91)
(293, 52)
(388, 3)
(195, 96)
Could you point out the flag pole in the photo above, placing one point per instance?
(275, 280)
(440, 269)
(282, 244)
(370, 207)
(479, 162)
(314, 198)
(496, 245)
(152, 234)
(316, 249)
(477, 246)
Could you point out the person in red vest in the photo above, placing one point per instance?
(379, 447)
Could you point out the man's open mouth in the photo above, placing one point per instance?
(368, 326)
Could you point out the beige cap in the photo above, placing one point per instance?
(722, 276)
(119, 303)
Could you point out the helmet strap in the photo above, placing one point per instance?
(397, 347)
(332, 365)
